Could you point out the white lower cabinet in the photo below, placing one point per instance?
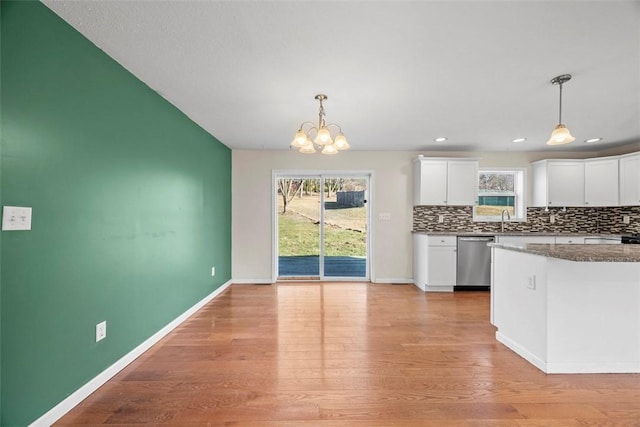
(435, 257)
(434, 262)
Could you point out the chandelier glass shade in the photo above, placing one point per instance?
(560, 134)
(311, 138)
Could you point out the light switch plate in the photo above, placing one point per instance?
(16, 218)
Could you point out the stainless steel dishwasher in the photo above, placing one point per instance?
(473, 269)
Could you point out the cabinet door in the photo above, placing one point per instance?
(539, 194)
(601, 182)
(420, 258)
(630, 180)
(430, 182)
(442, 266)
(565, 183)
(462, 182)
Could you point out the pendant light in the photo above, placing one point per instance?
(323, 139)
(560, 134)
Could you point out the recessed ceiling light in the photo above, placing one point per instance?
(440, 139)
(593, 140)
(519, 140)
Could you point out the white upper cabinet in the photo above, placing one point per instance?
(601, 181)
(558, 183)
(630, 180)
(429, 181)
(462, 182)
(440, 181)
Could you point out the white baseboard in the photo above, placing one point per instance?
(522, 352)
(252, 281)
(58, 411)
(598, 367)
(403, 280)
(438, 288)
(593, 368)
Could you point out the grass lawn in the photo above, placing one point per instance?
(486, 210)
(345, 229)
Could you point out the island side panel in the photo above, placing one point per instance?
(520, 308)
(593, 317)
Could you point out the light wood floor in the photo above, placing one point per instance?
(349, 354)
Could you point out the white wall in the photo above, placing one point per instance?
(391, 257)
(252, 208)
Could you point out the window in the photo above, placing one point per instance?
(499, 190)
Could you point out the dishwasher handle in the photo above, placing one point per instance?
(476, 239)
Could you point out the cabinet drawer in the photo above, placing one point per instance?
(443, 240)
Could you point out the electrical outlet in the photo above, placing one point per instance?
(213, 271)
(440, 218)
(552, 219)
(532, 283)
(625, 219)
(101, 331)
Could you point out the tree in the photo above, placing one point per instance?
(333, 185)
(495, 181)
(288, 188)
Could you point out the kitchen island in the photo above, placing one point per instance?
(569, 308)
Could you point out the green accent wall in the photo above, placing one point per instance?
(131, 208)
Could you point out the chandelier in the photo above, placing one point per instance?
(560, 134)
(323, 139)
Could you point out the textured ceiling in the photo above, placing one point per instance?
(397, 74)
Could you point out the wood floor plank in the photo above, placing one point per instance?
(349, 354)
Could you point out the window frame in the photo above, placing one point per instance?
(520, 186)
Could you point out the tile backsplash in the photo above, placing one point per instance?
(605, 220)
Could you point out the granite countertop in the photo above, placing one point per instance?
(512, 233)
(580, 253)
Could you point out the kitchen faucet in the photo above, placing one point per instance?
(504, 211)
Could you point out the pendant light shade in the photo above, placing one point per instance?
(330, 149)
(341, 142)
(308, 149)
(300, 140)
(323, 140)
(323, 137)
(560, 134)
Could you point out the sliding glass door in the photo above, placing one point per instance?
(321, 227)
(345, 227)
